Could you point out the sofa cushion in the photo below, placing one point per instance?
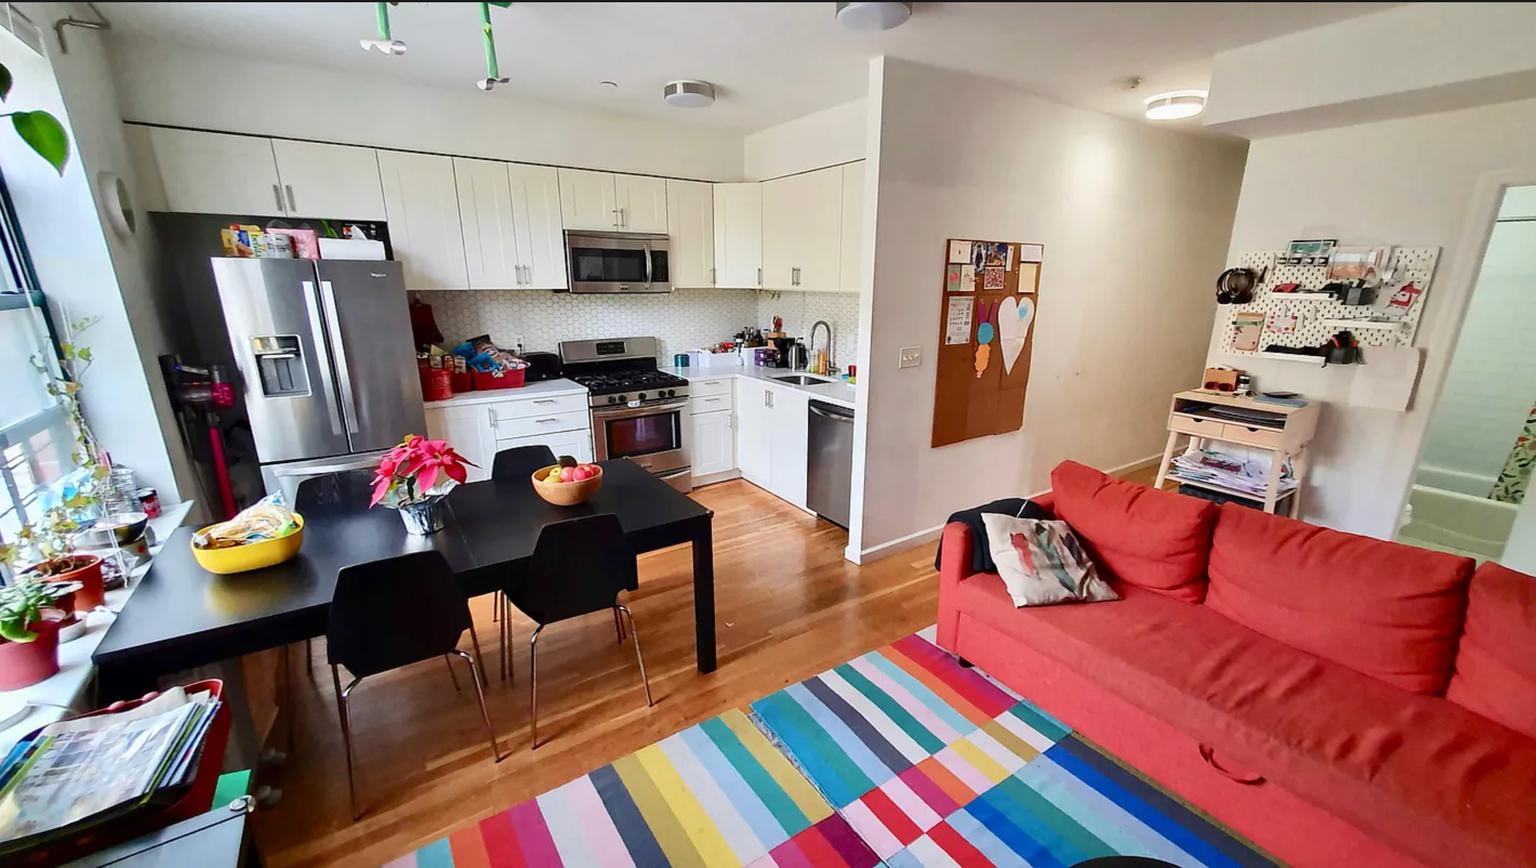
(1043, 562)
(1422, 774)
(1496, 661)
(1154, 539)
(1390, 611)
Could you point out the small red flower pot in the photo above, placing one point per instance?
(23, 664)
(85, 569)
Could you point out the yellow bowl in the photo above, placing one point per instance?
(251, 556)
(565, 493)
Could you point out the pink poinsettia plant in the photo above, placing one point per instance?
(417, 469)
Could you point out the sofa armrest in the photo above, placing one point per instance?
(955, 561)
(1047, 502)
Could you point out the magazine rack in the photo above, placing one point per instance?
(197, 800)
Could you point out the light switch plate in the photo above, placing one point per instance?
(911, 357)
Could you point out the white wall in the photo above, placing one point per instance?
(177, 86)
(826, 138)
(1412, 182)
(1134, 221)
(1491, 384)
(1409, 60)
(85, 270)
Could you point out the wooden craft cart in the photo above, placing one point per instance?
(1282, 431)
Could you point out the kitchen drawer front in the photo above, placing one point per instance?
(1265, 438)
(577, 444)
(709, 403)
(1195, 426)
(504, 410)
(529, 426)
(701, 386)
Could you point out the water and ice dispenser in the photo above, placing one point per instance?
(280, 364)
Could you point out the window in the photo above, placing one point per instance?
(36, 438)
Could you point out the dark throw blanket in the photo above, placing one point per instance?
(981, 553)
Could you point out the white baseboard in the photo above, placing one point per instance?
(712, 478)
(1139, 464)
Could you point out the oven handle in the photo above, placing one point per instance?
(631, 412)
(647, 264)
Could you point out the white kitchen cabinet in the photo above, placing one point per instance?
(691, 225)
(712, 445)
(738, 215)
(588, 200)
(754, 428)
(540, 254)
(851, 250)
(642, 203)
(213, 173)
(468, 430)
(487, 215)
(421, 202)
(802, 231)
(789, 441)
(321, 180)
(577, 444)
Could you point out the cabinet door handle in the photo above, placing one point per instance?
(545, 421)
(759, 276)
(545, 401)
(623, 219)
(522, 275)
(292, 205)
(615, 213)
(712, 274)
(711, 400)
(278, 195)
(493, 418)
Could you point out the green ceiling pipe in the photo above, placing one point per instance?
(493, 74)
(385, 44)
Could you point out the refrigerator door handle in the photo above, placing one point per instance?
(343, 374)
(323, 356)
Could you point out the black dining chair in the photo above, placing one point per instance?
(578, 568)
(317, 494)
(514, 465)
(392, 613)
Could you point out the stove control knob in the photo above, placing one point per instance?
(640, 397)
(671, 392)
(613, 399)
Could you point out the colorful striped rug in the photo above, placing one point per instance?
(900, 757)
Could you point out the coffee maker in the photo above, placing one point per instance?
(785, 347)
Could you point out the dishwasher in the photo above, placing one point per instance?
(830, 468)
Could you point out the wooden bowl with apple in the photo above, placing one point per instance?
(568, 482)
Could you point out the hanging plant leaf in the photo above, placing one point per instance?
(5, 82)
(44, 134)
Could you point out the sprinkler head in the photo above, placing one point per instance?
(383, 46)
(486, 84)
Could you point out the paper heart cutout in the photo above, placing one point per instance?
(1014, 317)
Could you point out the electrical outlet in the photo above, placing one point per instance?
(911, 357)
(517, 341)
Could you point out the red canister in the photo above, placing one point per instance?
(436, 384)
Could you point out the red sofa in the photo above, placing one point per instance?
(1331, 697)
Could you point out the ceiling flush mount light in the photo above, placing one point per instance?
(873, 16)
(1175, 104)
(689, 94)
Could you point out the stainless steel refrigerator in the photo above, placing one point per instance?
(326, 362)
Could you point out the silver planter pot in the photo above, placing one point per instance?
(424, 516)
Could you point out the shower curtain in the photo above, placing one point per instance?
(1516, 475)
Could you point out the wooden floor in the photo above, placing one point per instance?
(788, 607)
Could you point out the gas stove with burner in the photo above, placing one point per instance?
(638, 412)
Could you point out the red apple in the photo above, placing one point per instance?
(567, 474)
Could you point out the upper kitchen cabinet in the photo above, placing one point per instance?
(738, 235)
(487, 214)
(613, 203)
(852, 248)
(329, 180)
(691, 224)
(213, 173)
(536, 219)
(421, 203)
(802, 231)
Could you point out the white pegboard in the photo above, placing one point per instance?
(1415, 264)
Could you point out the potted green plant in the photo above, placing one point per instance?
(29, 631)
(48, 555)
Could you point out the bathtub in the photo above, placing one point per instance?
(1455, 522)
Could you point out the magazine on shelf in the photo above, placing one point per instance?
(1245, 476)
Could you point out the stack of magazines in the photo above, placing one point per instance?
(78, 773)
(1244, 476)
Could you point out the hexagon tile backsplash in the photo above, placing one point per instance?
(682, 320)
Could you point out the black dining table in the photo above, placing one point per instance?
(181, 615)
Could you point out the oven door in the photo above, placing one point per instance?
(654, 437)
(614, 262)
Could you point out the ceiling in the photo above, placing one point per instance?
(770, 62)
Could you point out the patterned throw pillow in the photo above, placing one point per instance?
(1041, 562)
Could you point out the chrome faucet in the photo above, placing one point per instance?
(811, 349)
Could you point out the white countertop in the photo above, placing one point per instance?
(64, 691)
(837, 392)
(545, 389)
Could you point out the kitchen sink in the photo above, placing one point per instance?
(801, 380)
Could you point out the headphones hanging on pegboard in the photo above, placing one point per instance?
(1236, 285)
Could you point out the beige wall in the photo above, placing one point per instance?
(1135, 222)
(825, 138)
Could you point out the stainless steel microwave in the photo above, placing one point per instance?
(618, 262)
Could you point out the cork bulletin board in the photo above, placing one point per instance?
(987, 311)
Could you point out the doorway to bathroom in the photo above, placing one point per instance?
(1469, 489)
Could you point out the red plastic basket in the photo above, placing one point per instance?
(198, 800)
(507, 380)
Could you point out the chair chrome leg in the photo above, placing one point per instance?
(485, 714)
(346, 734)
(453, 675)
(618, 625)
(635, 632)
(479, 668)
(507, 669)
(533, 670)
